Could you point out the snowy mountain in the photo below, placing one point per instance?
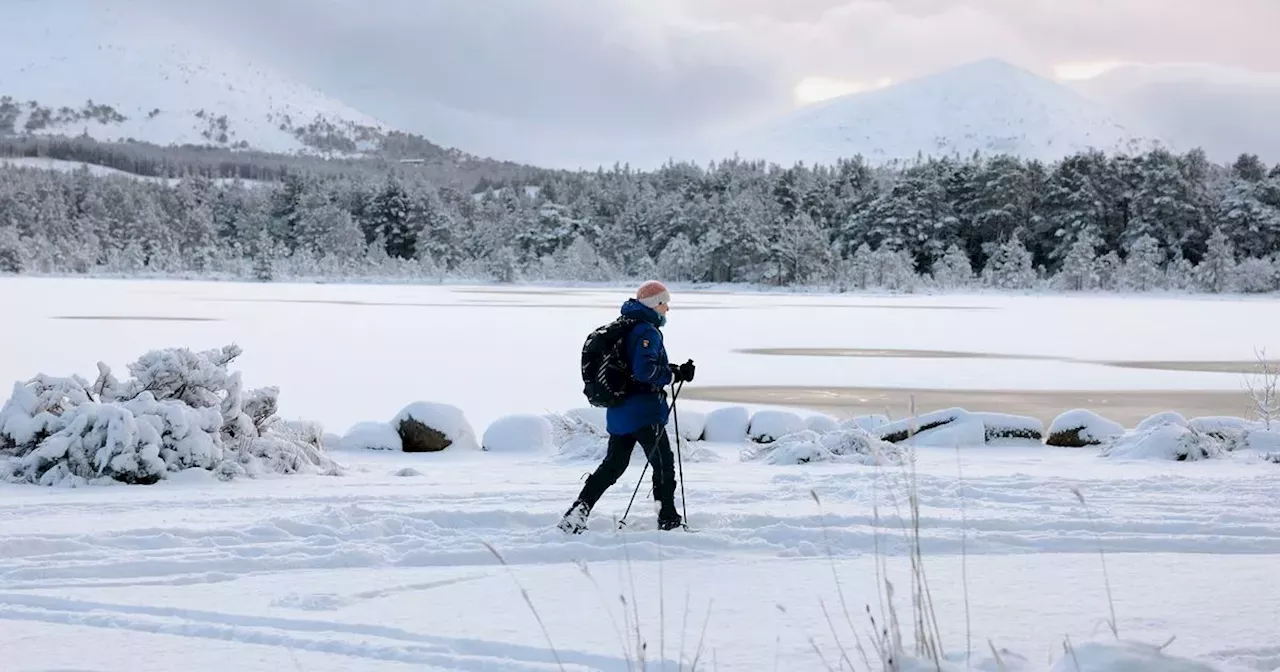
(987, 106)
(1226, 111)
(79, 67)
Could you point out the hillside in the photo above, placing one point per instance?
(988, 106)
(115, 74)
(1226, 111)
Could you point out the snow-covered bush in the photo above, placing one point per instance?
(1170, 441)
(769, 426)
(181, 410)
(1005, 428)
(577, 439)
(727, 425)
(843, 445)
(1078, 428)
(518, 434)
(948, 427)
(428, 427)
(590, 414)
(372, 436)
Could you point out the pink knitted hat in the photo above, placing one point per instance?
(653, 293)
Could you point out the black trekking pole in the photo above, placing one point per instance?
(623, 521)
(675, 416)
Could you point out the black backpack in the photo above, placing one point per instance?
(606, 373)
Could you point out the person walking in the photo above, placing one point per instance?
(641, 416)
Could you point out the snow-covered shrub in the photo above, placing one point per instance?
(518, 434)
(577, 439)
(948, 427)
(1169, 441)
(590, 414)
(428, 427)
(769, 426)
(693, 425)
(372, 436)
(181, 410)
(1078, 428)
(727, 425)
(1262, 440)
(1004, 428)
(843, 445)
(821, 423)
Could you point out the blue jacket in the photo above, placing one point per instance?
(648, 358)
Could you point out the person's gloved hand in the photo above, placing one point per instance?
(686, 371)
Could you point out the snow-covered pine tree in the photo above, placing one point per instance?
(1143, 266)
(1010, 266)
(1216, 269)
(1080, 269)
(953, 270)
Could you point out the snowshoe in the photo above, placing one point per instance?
(575, 519)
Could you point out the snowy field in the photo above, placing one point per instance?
(385, 567)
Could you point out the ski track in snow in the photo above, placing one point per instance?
(773, 515)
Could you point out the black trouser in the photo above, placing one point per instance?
(657, 449)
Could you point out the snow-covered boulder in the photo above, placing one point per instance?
(693, 424)
(428, 427)
(821, 423)
(1004, 428)
(1162, 419)
(518, 434)
(867, 423)
(844, 445)
(769, 426)
(1078, 428)
(1262, 440)
(1165, 442)
(727, 425)
(947, 428)
(372, 436)
(181, 411)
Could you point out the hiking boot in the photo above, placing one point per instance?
(575, 519)
(668, 518)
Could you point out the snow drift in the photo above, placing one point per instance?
(181, 410)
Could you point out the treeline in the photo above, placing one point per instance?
(430, 162)
(1090, 222)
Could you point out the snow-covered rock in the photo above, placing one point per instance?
(1262, 440)
(869, 423)
(182, 410)
(428, 427)
(821, 423)
(768, 426)
(946, 428)
(727, 425)
(518, 434)
(1079, 427)
(693, 424)
(1162, 419)
(1004, 428)
(372, 436)
(1169, 441)
(842, 445)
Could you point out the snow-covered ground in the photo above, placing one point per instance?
(386, 568)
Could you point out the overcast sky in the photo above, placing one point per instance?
(542, 73)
